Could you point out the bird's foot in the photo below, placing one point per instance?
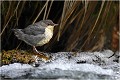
(43, 56)
(40, 61)
(40, 54)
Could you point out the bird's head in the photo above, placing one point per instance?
(48, 23)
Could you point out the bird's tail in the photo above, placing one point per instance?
(18, 33)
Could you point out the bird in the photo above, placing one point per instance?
(36, 34)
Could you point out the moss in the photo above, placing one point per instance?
(12, 56)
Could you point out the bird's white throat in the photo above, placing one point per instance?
(48, 35)
(49, 32)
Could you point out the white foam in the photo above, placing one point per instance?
(61, 62)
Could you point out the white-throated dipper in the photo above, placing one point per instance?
(36, 34)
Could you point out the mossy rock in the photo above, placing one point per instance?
(12, 56)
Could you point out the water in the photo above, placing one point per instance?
(63, 68)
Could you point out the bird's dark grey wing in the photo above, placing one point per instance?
(34, 29)
(33, 40)
(29, 39)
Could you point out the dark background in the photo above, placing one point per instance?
(77, 30)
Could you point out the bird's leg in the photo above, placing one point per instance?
(40, 54)
(34, 49)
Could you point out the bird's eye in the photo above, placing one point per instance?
(49, 24)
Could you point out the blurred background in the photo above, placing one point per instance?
(83, 25)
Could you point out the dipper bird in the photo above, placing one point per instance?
(36, 34)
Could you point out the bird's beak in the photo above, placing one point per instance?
(55, 24)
